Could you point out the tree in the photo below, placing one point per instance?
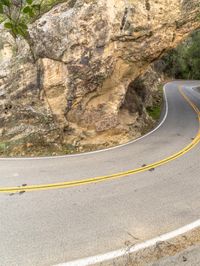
(184, 61)
(16, 15)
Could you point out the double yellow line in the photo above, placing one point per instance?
(113, 176)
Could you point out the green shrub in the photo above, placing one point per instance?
(184, 61)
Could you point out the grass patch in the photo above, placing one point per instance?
(154, 112)
(2, 146)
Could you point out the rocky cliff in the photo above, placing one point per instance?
(81, 91)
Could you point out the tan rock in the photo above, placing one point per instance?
(90, 54)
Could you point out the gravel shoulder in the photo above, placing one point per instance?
(189, 257)
(183, 250)
(180, 251)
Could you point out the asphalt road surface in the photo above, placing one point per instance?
(61, 222)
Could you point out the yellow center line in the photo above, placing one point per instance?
(69, 184)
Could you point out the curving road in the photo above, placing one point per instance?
(45, 219)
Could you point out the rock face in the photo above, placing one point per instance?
(81, 91)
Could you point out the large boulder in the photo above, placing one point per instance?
(89, 54)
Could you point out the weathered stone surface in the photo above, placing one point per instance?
(90, 52)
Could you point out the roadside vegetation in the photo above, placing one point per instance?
(184, 61)
(154, 111)
(180, 63)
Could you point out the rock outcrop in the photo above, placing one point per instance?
(80, 92)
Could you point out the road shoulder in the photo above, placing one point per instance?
(182, 250)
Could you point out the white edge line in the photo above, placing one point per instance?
(138, 247)
(103, 150)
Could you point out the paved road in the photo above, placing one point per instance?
(48, 227)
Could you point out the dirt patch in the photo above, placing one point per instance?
(159, 251)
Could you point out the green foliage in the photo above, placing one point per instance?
(46, 5)
(184, 62)
(154, 111)
(16, 14)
